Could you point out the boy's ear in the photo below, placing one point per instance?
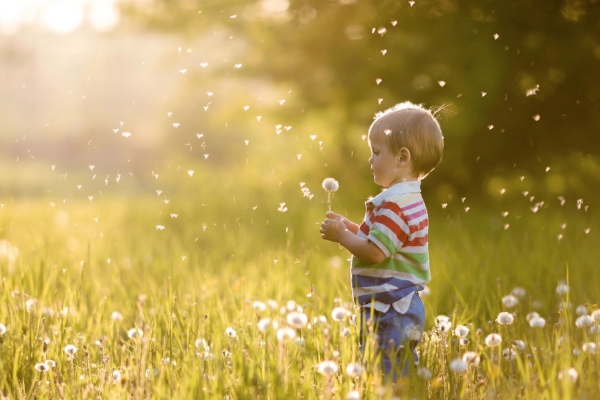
(404, 155)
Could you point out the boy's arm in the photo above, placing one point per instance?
(362, 248)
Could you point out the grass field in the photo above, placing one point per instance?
(164, 302)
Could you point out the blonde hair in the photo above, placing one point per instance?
(416, 128)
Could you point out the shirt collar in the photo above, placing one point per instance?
(397, 189)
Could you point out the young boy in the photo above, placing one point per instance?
(390, 254)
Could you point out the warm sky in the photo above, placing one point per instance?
(59, 16)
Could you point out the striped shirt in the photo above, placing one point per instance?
(396, 222)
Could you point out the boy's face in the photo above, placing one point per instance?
(384, 163)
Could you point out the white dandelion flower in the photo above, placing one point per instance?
(518, 292)
(509, 354)
(330, 185)
(562, 288)
(345, 332)
(353, 395)
(354, 369)
(2, 329)
(537, 322)
(297, 319)
(259, 306)
(135, 333)
(42, 367)
(290, 305)
(596, 315)
(571, 373)
(505, 318)
(510, 301)
(461, 331)
(70, 350)
(458, 365)
(272, 304)
(263, 324)
(493, 340)
(231, 333)
(320, 320)
(584, 321)
(285, 334)
(339, 314)
(589, 347)
(327, 368)
(424, 373)
(470, 357)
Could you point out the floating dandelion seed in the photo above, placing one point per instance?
(505, 318)
(536, 117)
(562, 288)
(532, 92)
(383, 51)
(135, 333)
(378, 81)
(442, 83)
(183, 71)
(493, 340)
(282, 208)
(176, 125)
(537, 322)
(160, 227)
(354, 369)
(42, 367)
(327, 368)
(231, 333)
(458, 365)
(331, 186)
(237, 66)
(203, 65)
(126, 134)
(70, 350)
(496, 36)
(190, 172)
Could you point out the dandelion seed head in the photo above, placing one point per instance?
(353, 395)
(509, 354)
(2, 329)
(285, 334)
(562, 288)
(272, 304)
(354, 369)
(584, 321)
(424, 373)
(327, 368)
(471, 357)
(330, 185)
(135, 333)
(589, 347)
(510, 301)
(230, 333)
(263, 324)
(41, 367)
(297, 319)
(259, 306)
(519, 345)
(116, 376)
(443, 323)
(570, 374)
(518, 292)
(116, 316)
(70, 350)
(461, 331)
(505, 318)
(202, 344)
(596, 315)
(458, 365)
(493, 340)
(581, 309)
(537, 322)
(339, 314)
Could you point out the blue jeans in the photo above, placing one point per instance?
(397, 335)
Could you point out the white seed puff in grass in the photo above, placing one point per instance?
(231, 333)
(2, 329)
(354, 369)
(458, 365)
(505, 318)
(135, 333)
(297, 320)
(70, 350)
(327, 368)
(493, 340)
(339, 314)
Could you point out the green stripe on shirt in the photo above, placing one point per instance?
(396, 265)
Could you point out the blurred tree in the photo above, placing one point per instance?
(518, 77)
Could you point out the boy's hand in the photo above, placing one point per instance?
(332, 229)
(351, 226)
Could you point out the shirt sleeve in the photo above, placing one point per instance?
(389, 230)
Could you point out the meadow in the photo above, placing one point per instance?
(149, 297)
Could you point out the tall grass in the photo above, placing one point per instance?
(174, 312)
